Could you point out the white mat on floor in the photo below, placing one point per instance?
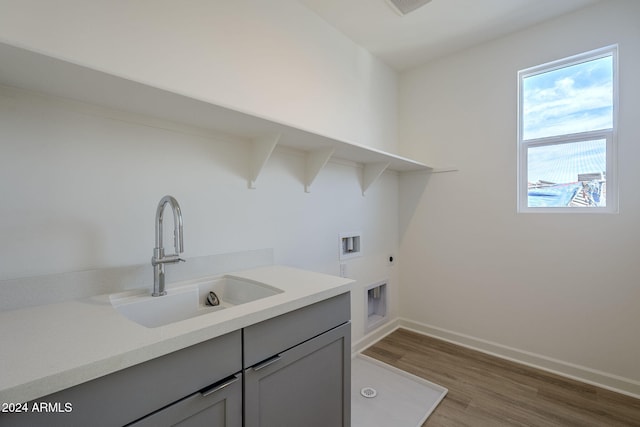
(402, 399)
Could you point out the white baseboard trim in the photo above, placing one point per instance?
(569, 370)
(374, 336)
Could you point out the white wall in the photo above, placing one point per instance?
(80, 192)
(560, 291)
(275, 58)
(80, 186)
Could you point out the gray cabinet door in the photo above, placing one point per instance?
(217, 406)
(308, 385)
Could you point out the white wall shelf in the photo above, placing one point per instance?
(40, 73)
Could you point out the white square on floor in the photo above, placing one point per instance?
(401, 399)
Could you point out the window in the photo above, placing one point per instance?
(566, 134)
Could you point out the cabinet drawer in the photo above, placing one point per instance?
(280, 333)
(218, 406)
(129, 394)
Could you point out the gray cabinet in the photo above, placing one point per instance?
(291, 370)
(300, 368)
(133, 393)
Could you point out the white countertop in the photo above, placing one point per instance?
(49, 348)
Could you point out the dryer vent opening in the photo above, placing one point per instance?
(376, 305)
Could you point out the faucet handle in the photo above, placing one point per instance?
(168, 259)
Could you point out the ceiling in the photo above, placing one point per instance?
(436, 29)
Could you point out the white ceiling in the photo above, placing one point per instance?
(436, 29)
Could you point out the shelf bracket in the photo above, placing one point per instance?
(261, 149)
(316, 160)
(371, 173)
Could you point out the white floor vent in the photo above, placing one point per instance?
(368, 392)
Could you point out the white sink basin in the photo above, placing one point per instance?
(188, 300)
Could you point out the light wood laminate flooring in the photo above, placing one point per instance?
(488, 391)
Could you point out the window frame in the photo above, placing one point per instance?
(609, 135)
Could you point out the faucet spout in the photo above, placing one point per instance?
(177, 223)
(159, 259)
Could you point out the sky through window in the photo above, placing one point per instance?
(577, 98)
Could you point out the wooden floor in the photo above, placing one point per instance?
(488, 391)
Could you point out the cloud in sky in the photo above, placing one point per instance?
(572, 99)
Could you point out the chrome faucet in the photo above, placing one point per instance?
(159, 259)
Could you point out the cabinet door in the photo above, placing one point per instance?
(308, 385)
(218, 406)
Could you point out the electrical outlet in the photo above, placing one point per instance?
(343, 270)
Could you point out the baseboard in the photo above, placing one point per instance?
(559, 367)
(374, 336)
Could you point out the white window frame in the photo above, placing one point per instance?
(607, 134)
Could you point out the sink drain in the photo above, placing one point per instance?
(212, 299)
(368, 392)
